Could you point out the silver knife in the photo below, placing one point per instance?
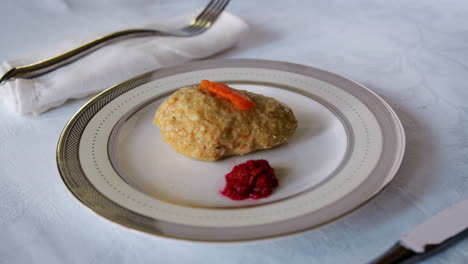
(433, 234)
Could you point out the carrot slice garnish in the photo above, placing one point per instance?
(236, 98)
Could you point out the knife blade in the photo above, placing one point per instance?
(436, 232)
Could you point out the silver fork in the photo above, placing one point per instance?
(198, 25)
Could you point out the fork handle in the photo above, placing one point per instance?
(45, 66)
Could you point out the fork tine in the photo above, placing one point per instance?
(201, 20)
(206, 10)
(216, 9)
(207, 17)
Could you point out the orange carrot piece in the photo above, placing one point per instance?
(236, 98)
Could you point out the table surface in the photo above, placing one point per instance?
(412, 53)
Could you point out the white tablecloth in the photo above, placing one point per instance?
(412, 53)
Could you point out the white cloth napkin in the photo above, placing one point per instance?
(114, 63)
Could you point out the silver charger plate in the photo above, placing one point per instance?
(348, 146)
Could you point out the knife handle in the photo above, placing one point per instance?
(396, 254)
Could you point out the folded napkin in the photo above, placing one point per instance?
(114, 63)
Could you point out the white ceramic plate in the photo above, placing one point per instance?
(348, 145)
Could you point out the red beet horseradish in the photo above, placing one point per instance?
(253, 179)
